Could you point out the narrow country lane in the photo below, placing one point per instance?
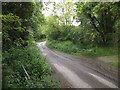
(74, 72)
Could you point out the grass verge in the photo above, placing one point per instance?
(69, 47)
(94, 52)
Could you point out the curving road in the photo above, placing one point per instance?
(74, 71)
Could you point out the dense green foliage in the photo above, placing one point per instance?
(23, 18)
(50, 27)
(98, 29)
(13, 33)
(65, 46)
(102, 18)
(71, 48)
(23, 22)
(15, 23)
(35, 64)
(23, 64)
(36, 21)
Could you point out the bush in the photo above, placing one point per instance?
(65, 46)
(69, 47)
(35, 64)
(13, 32)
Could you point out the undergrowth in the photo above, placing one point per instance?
(16, 59)
(71, 48)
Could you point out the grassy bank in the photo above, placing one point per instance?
(26, 68)
(69, 47)
(65, 46)
(95, 52)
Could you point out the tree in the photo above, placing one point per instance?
(37, 20)
(16, 23)
(65, 12)
(30, 15)
(101, 16)
(51, 27)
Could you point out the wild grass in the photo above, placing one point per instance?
(99, 51)
(64, 46)
(35, 65)
(69, 47)
(94, 52)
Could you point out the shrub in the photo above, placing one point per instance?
(65, 46)
(35, 64)
(13, 32)
(69, 47)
